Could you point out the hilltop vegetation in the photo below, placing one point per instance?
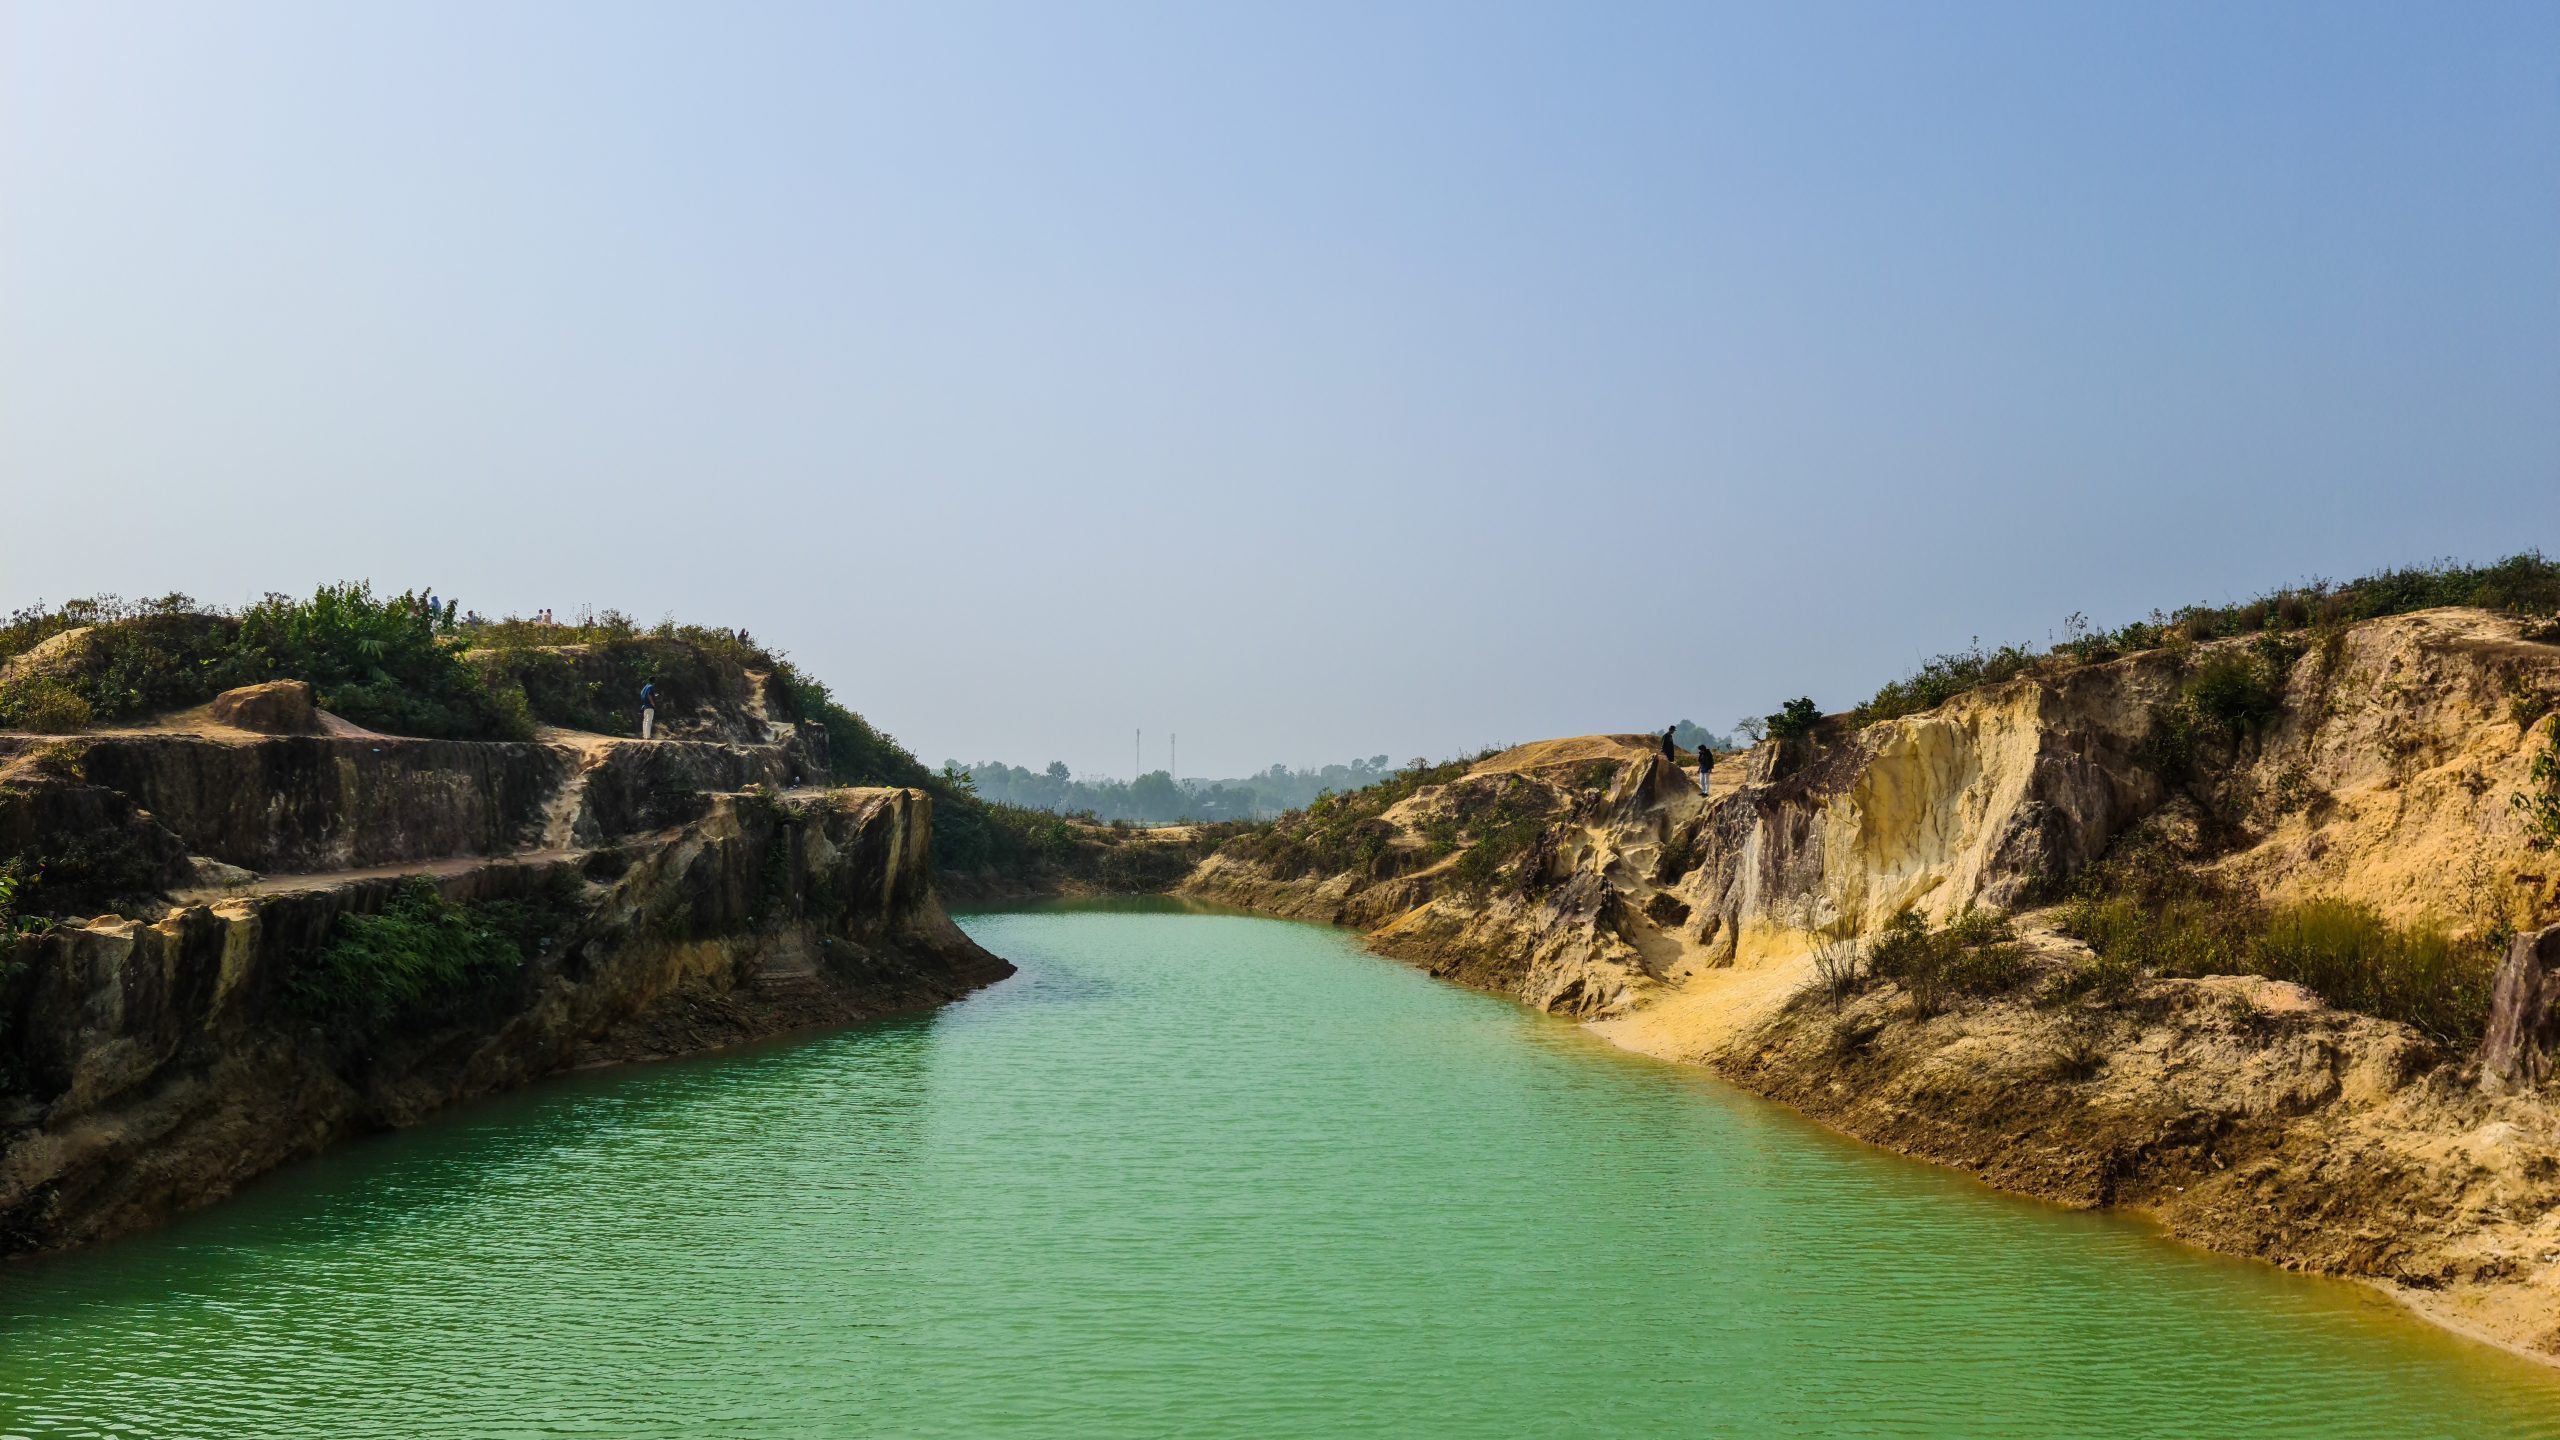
(394, 664)
(2160, 902)
(383, 663)
(2524, 584)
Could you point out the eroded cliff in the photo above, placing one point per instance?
(178, 1029)
(1590, 877)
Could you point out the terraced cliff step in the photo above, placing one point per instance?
(273, 941)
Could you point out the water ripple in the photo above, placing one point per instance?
(1188, 1175)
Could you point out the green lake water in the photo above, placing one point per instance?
(1189, 1175)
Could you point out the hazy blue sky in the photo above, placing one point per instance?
(1311, 380)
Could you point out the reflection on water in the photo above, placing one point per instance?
(1188, 1173)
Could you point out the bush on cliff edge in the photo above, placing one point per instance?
(374, 661)
(378, 661)
(423, 957)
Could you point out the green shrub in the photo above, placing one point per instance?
(154, 662)
(1941, 679)
(134, 659)
(1798, 717)
(374, 661)
(1338, 833)
(2106, 976)
(599, 691)
(2237, 693)
(2146, 915)
(16, 879)
(2345, 952)
(2229, 696)
(45, 705)
(1974, 954)
(423, 957)
(2525, 584)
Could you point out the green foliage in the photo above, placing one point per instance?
(61, 758)
(2238, 693)
(153, 662)
(2229, 696)
(2146, 914)
(1797, 717)
(599, 690)
(1974, 954)
(16, 879)
(2525, 584)
(2539, 801)
(857, 753)
(375, 661)
(45, 705)
(1941, 679)
(971, 836)
(136, 657)
(25, 629)
(1343, 832)
(1501, 822)
(2348, 954)
(378, 662)
(91, 871)
(423, 958)
(1037, 847)
(733, 648)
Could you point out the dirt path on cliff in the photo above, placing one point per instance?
(444, 869)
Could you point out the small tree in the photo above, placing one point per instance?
(1797, 717)
(1838, 965)
(15, 880)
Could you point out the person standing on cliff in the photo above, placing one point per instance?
(1670, 750)
(1706, 762)
(648, 707)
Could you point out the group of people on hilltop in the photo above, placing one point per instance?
(1706, 755)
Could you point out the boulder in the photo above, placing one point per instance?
(59, 656)
(278, 707)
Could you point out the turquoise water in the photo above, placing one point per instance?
(1189, 1175)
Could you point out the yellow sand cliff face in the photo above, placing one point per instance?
(2246, 1114)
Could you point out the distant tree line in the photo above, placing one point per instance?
(1156, 798)
(1689, 735)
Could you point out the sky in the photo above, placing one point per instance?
(1307, 380)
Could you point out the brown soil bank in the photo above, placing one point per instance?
(1590, 878)
(459, 918)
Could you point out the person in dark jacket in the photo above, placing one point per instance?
(648, 707)
(1706, 762)
(1670, 751)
